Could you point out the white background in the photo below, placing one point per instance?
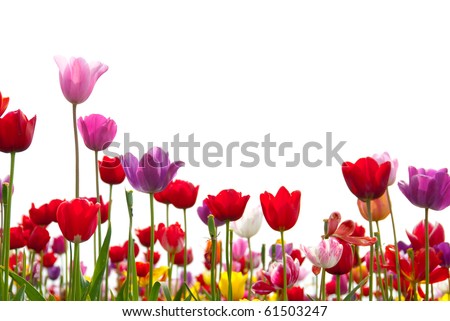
(375, 74)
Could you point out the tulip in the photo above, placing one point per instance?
(17, 239)
(144, 236)
(208, 253)
(97, 131)
(443, 250)
(204, 211)
(4, 101)
(297, 293)
(179, 258)
(49, 259)
(181, 194)
(142, 269)
(379, 208)
(417, 237)
(326, 254)
(117, 254)
(59, 246)
(111, 170)
(104, 208)
(77, 78)
(249, 224)
(428, 189)
(135, 249)
(171, 238)
(383, 158)
(16, 132)
(163, 196)
(237, 285)
(38, 239)
(228, 205)
(77, 219)
(345, 263)
(54, 272)
(45, 214)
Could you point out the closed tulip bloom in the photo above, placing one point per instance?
(38, 239)
(345, 263)
(427, 188)
(282, 210)
(228, 205)
(58, 245)
(54, 272)
(97, 131)
(238, 281)
(116, 254)
(49, 259)
(104, 207)
(77, 78)
(17, 238)
(144, 236)
(142, 269)
(44, 214)
(77, 219)
(379, 208)
(179, 257)
(326, 255)
(204, 211)
(249, 224)
(152, 173)
(16, 132)
(383, 158)
(171, 238)
(182, 194)
(436, 235)
(163, 196)
(135, 249)
(366, 179)
(4, 101)
(111, 170)
(443, 250)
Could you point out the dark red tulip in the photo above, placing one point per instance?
(144, 236)
(125, 249)
(111, 170)
(182, 194)
(162, 197)
(38, 239)
(16, 132)
(77, 219)
(296, 293)
(49, 259)
(366, 179)
(156, 257)
(282, 210)
(104, 207)
(142, 269)
(45, 214)
(228, 205)
(116, 254)
(17, 238)
(179, 257)
(27, 224)
(345, 263)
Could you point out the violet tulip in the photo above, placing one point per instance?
(97, 131)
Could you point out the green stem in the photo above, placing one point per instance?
(250, 281)
(77, 154)
(99, 214)
(107, 255)
(185, 249)
(41, 268)
(397, 260)
(167, 225)
(338, 287)
(76, 291)
(152, 241)
(171, 259)
(323, 296)
(228, 259)
(66, 268)
(427, 258)
(1, 228)
(213, 267)
(386, 285)
(283, 251)
(6, 230)
(369, 215)
(379, 279)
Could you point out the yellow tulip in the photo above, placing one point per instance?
(238, 282)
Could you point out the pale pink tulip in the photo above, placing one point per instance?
(326, 255)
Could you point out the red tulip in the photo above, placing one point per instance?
(116, 254)
(27, 224)
(345, 263)
(171, 238)
(125, 249)
(144, 236)
(49, 259)
(179, 257)
(103, 207)
(17, 238)
(282, 210)
(366, 179)
(228, 205)
(77, 219)
(45, 214)
(162, 196)
(142, 269)
(182, 194)
(417, 237)
(16, 132)
(4, 101)
(38, 239)
(156, 257)
(111, 170)
(296, 293)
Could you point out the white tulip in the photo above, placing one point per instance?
(249, 224)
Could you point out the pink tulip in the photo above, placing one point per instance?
(77, 78)
(97, 131)
(326, 255)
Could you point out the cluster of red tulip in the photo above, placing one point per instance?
(347, 264)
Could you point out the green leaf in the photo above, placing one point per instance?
(20, 295)
(166, 292)
(30, 291)
(155, 291)
(350, 295)
(100, 268)
(122, 292)
(132, 268)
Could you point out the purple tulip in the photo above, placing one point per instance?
(204, 211)
(444, 249)
(152, 173)
(54, 272)
(97, 131)
(427, 188)
(276, 253)
(77, 78)
(59, 246)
